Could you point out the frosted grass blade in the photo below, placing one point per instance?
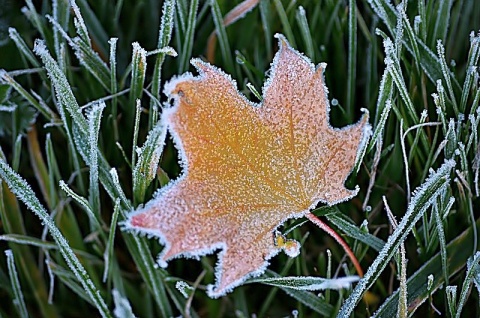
(164, 37)
(187, 45)
(352, 57)
(222, 37)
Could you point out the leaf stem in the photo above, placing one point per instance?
(337, 238)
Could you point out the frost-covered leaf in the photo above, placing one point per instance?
(308, 283)
(248, 167)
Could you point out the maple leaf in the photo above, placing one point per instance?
(248, 167)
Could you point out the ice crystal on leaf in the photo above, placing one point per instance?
(248, 167)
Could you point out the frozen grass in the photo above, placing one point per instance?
(86, 97)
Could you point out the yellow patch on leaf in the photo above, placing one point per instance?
(248, 167)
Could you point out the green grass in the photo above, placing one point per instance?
(70, 123)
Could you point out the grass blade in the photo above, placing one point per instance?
(18, 301)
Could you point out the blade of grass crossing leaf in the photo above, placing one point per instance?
(310, 283)
(23, 191)
(265, 16)
(267, 302)
(18, 301)
(222, 37)
(285, 23)
(188, 37)
(34, 17)
(458, 250)
(423, 198)
(301, 17)
(138, 248)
